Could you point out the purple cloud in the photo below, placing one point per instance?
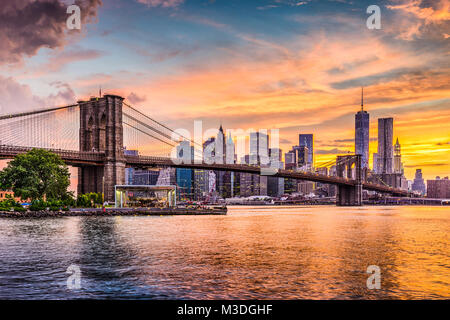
(17, 97)
(134, 98)
(28, 25)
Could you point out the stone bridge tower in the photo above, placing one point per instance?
(101, 130)
(349, 195)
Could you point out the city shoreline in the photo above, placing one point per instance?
(116, 212)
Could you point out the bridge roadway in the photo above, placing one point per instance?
(79, 158)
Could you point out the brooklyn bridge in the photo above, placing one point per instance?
(92, 136)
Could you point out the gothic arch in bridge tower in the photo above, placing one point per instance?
(102, 132)
(89, 142)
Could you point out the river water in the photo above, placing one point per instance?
(319, 252)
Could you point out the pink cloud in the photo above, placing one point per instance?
(18, 97)
(61, 59)
(136, 99)
(438, 11)
(418, 18)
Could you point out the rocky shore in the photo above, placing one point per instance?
(115, 212)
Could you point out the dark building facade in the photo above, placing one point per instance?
(362, 123)
(185, 185)
(145, 177)
(438, 188)
(385, 156)
(307, 140)
(303, 157)
(185, 177)
(129, 172)
(290, 160)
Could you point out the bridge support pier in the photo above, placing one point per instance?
(114, 175)
(349, 195)
(90, 179)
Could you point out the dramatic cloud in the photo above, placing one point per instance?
(28, 25)
(429, 11)
(17, 97)
(135, 99)
(421, 17)
(64, 95)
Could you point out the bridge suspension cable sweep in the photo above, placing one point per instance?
(134, 119)
(53, 128)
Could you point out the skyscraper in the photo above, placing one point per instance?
(375, 162)
(385, 145)
(230, 150)
(223, 178)
(220, 148)
(259, 148)
(307, 140)
(290, 160)
(275, 186)
(259, 155)
(398, 165)
(230, 159)
(185, 176)
(303, 158)
(418, 184)
(362, 133)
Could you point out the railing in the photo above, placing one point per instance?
(165, 161)
(300, 175)
(8, 150)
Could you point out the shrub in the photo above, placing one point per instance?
(38, 205)
(19, 209)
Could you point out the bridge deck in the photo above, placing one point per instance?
(77, 158)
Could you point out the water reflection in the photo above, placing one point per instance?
(110, 265)
(252, 253)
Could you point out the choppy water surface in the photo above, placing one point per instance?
(252, 253)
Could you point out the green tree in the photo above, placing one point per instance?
(35, 175)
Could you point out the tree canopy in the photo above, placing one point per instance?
(35, 175)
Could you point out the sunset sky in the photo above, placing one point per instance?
(293, 65)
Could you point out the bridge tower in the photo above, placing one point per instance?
(349, 195)
(101, 130)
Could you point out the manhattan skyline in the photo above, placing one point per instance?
(224, 64)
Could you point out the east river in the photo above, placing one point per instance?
(319, 252)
